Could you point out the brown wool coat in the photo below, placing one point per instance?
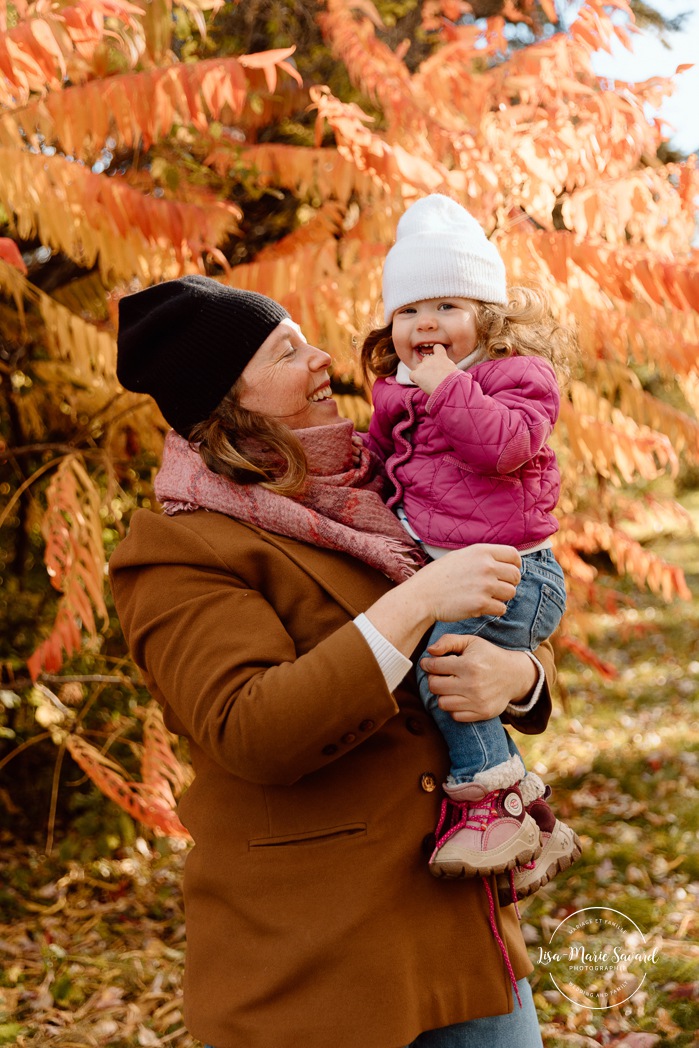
(311, 916)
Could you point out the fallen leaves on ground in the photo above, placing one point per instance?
(92, 955)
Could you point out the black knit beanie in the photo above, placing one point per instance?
(187, 341)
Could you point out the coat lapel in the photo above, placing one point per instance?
(335, 571)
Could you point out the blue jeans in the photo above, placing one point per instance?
(532, 615)
(518, 1029)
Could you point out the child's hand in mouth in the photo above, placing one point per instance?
(434, 366)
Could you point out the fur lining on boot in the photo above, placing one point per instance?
(531, 787)
(509, 773)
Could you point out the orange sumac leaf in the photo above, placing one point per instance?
(125, 231)
(149, 805)
(160, 768)
(585, 653)
(589, 535)
(75, 561)
(268, 61)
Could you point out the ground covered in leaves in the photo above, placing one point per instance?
(92, 955)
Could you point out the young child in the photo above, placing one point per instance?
(465, 400)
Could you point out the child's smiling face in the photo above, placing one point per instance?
(450, 322)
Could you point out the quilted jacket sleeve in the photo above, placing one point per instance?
(499, 416)
(379, 438)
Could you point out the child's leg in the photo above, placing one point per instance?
(488, 781)
(512, 746)
(484, 827)
(532, 615)
(473, 747)
(536, 609)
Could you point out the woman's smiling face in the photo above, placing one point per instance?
(450, 322)
(288, 379)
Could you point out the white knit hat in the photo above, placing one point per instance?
(441, 250)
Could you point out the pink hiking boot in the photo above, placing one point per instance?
(483, 832)
(561, 848)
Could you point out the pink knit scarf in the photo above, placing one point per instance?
(340, 508)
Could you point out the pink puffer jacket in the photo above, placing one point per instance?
(470, 463)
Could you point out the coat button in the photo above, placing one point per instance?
(329, 750)
(349, 738)
(415, 726)
(366, 725)
(428, 782)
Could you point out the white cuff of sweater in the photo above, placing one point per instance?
(392, 663)
(518, 709)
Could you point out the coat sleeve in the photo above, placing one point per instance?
(216, 654)
(535, 720)
(500, 419)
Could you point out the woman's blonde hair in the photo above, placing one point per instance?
(251, 448)
(524, 327)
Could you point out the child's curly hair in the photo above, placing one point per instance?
(524, 327)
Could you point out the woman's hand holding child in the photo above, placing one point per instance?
(472, 678)
(466, 583)
(477, 580)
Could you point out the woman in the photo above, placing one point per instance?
(273, 609)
